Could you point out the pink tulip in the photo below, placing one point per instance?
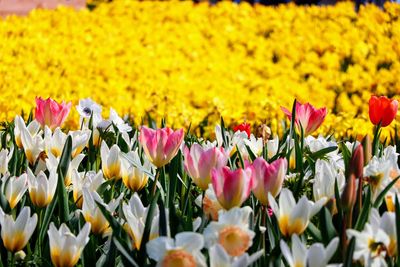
(160, 145)
(268, 178)
(232, 187)
(199, 162)
(307, 116)
(49, 112)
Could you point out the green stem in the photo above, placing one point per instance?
(155, 182)
(11, 257)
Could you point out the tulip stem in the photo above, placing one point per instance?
(11, 255)
(155, 182)
(375, 142)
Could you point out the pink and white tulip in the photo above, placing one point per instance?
(307, 116)
(268, 178)
(49, 112)
(200, 161)
(232, 187)
(160, 145)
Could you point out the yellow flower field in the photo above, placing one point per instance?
(194, 63)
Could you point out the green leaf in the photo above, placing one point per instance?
(62, 170)
(363, 217)
(382, 195)
(348, 261)
(147, 228)
(321, 153)
(115, 226)
(251, 154)
(111, 254)
(328, 231)
(314, 232)
(124, 252)
(397, 205)
(46, 221)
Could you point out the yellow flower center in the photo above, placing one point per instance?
(178, 258)
(234, 240)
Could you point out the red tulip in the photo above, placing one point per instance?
(49, 112)
(382, 110)
(307, 116)
(244, 127)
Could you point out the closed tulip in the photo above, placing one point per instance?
(65, 247)
(15, 188)
(268, 178)
(382, 110)
(135, 177)
(41, 189)
(232, 187)
(110, 161)
(16, 233)
(51, 113)
(160, 145)
(200, 161)
(307, 116)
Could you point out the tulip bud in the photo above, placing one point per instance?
(357, 162)
(367, 145)
(264, 132)
(349, 193)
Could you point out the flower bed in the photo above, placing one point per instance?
(113, 194)
(192, 64)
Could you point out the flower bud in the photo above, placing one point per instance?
(357, 162)
(367, 145)
(349, 193)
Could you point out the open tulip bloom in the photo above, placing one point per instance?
(111, 193)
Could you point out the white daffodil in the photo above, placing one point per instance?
(54, 142)
(388, 224)
(89, 180)
(65, 247)
(33, 145)
(52, 163)
(220, 258)
(93, 214)
(41, 189)
(110, 161)
(183, 251)
(33, 128)
(209, 203)
(255, 145)
(390, 154)
(294, 217)
(135, 177)
(378, 173)
(14, 188)
(315, 256)
(80, 140)
(16, 233)
(272, 146)
(5, 157)
(87, 107)
(119, 122)
(231, 231)
(371, 244)
(324, 180)
(136, 215)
